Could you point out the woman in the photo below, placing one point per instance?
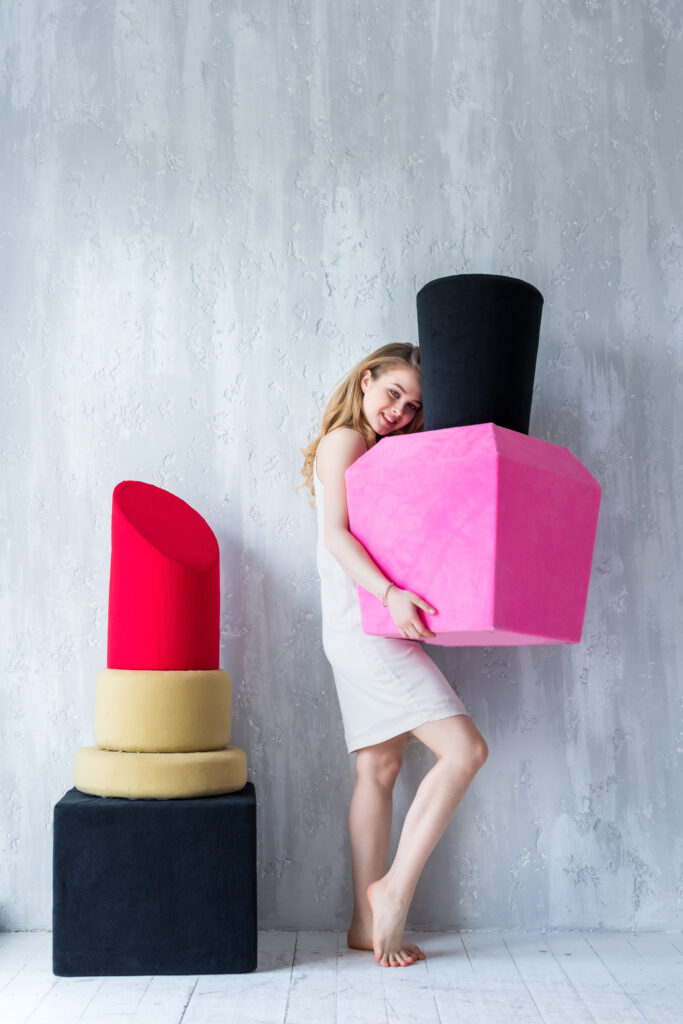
(388, 688)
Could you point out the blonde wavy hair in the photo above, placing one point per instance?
(345, 407)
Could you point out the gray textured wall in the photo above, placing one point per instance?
(210, 210)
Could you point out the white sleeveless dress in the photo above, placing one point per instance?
(385, 685)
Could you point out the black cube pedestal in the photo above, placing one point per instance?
(154, 886)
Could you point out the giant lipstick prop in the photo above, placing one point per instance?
(162, 712)
(495, 528)
(154, 859)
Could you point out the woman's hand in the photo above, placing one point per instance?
(403, 605)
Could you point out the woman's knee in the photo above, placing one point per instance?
(469, 755)
(478, 753)
(380, 765)
(457, 741)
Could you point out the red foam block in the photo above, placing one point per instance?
(164, 583)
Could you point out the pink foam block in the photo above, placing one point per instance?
(494, 528)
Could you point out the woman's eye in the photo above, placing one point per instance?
(394, 394)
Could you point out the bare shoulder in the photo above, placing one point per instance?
(338, 450)
(343, 439)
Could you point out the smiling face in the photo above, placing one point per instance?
(391, 401)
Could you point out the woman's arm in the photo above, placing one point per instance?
(336, 452)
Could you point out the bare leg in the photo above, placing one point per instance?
(461, 751)
(377, 769)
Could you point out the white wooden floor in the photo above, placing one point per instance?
(314, 978)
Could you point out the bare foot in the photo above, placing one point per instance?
(388, 922)
(359, 936)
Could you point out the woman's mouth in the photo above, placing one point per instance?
(390, 423)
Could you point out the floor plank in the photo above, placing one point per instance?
(119, 996)
(360, 988)
(260, 995)
(26, 967)
(489, 977)
(655, 986)
(506, 996)
(456, 988)
(664, 947)
(66, 1001)
(17, 950)
(598, 988)
(165, 1000)
(313, 985)
(553, 993)
(407, 991)
(214, 999)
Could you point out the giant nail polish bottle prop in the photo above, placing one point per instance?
(495, 528)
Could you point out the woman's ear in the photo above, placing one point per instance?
(365, 380)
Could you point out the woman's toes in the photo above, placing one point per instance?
(399, 958)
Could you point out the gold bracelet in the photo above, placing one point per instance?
(383, 596)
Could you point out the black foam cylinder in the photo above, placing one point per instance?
(478, 336)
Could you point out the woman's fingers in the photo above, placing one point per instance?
(421, 603)
(405, 614)
(422, 629)
(416, 630)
